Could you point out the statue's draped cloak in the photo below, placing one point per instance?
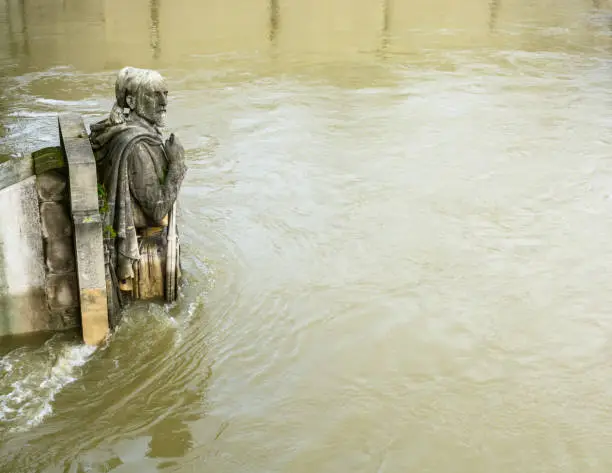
(113, 145)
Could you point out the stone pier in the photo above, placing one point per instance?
(51, 254)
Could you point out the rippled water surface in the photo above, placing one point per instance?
(397, 239)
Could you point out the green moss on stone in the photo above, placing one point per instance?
(47, 159)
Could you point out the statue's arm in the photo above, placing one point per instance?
(154, 194)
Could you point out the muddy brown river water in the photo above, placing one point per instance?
(397, 239)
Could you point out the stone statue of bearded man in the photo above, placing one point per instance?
(140, 175)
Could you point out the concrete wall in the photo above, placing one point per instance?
(38, 290)
(23, 306)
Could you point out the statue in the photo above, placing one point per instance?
(139, 177)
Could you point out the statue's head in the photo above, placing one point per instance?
(144, 92)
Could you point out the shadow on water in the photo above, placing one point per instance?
(155, 32)
(386, 26)
(170, 438)
(19, 44)
(494, 6)
(274, 21)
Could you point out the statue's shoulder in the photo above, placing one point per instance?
(141, 142)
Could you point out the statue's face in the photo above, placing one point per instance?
(151, 102)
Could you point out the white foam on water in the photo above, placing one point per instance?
(28, 387)
(81, 104)
(32, 114)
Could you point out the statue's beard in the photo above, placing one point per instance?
(153, 117)
(160, 119)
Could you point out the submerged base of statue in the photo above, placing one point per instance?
(152, 280)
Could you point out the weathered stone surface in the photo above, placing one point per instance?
(88, 238)
(55, 220)
(81, 162)
(94, 315)
(25, 313)
(84, 187)
(92, 282)
(87, 228)
(59, 254)
(52, 186)
(67, 318)
(62, 291)
(23, 306)
(31, 300)
(15, 170)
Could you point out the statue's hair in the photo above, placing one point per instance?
(121, 85)
(131, 81)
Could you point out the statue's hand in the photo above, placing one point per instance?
(174, 149)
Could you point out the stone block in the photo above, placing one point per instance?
(81, 163)
(94, 315)
(92, 281)
(59, 254)
(62, 291)
(51, 186)
(90, 255)
(83, 187)
(55, 220)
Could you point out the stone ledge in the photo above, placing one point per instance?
(15, 170)
(89, 252)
